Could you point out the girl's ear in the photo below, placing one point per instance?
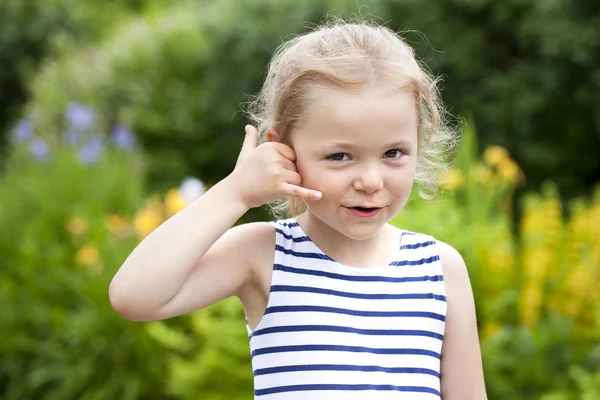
(273, 136)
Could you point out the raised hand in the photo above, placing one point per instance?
(267, 172)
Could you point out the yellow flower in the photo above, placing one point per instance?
(147, 220)
(500, 259)
(536, 263)
(453, 179)
(531, 300)
(174, 202)
(483, 174)
(493, 155)
(76, 226)
(508, 170)
(578, 281)
(87, 255)
(117, 224)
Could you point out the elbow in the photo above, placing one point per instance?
(124, 306)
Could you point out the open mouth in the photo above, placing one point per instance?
(364, 212)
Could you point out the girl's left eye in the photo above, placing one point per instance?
(395, 153)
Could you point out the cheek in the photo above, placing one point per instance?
(311, 174)
(305, 172)
(316, 177)
(401, 182)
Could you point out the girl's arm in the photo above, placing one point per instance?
(172, 270)
(462, 370)
(194, 259)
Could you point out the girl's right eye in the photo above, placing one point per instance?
(337, 157)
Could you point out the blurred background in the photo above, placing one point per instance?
(116, 115)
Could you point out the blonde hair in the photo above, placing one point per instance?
(351, 56)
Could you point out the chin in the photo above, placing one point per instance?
(351, 227)
(362, 231)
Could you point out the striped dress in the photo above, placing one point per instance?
(332, 331)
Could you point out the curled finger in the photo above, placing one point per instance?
(301, 193)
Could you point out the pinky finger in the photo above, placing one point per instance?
(303, 193)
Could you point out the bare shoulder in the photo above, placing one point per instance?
(453, 266)
(461, 342)
(252, 233)
(254, 240)
(259, 241)
(459, 293)
(259, 235)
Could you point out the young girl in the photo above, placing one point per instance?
(339, 303)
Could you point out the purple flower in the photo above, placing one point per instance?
(22, 130)
(122, 137)
(39, 149)
(90, 152)
(79, 117)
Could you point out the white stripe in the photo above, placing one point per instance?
(342, 357)
(346, 377)
(347, 395)
(297, 279)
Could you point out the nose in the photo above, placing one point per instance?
(369, 179)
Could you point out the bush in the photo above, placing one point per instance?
(64, 237)
(178, 78)
(528, 72)
(179, 75)
(32, 31)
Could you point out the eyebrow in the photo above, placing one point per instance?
(350, 146)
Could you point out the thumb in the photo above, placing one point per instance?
(250, 140)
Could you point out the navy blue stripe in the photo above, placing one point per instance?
(358, 278)
(334, 367)
(290, 225)
(376, 296)
(319, 256)
(322, 256)
(350, 349)
(422, 314)
(298, 388)
(346, 329)
(416, 245)
(290, 237)
(422, 261)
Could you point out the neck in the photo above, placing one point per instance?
(377, 250)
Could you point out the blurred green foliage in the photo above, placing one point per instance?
(178, 77)
(527, 71)
(33, 32)
(60, 338)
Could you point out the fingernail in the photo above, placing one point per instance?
(318, 195)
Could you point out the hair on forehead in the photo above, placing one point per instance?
(352, 57)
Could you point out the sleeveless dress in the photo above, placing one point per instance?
(333, 332)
